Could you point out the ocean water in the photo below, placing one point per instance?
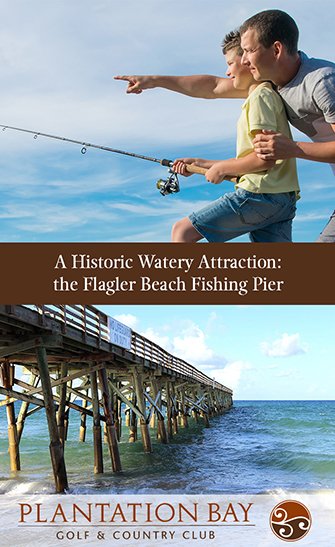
(256, 447)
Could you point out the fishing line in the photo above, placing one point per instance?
(170, 185)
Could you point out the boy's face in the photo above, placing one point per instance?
(259, 59)
(238, 72)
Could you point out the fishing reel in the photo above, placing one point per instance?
(169, 185)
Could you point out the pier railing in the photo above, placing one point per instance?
(93, 322)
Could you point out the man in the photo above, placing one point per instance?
(263, 203)
(307, 86)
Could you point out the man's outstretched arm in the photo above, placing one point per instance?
(203, 86)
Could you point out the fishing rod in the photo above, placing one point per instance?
(170, 185)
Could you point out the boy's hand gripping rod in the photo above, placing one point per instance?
(165, 186)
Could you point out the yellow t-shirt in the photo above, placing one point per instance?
(264, 109)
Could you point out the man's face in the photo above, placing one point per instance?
(238, 72)
(256, 57)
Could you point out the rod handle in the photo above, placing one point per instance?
(203, 171)
(196, 169)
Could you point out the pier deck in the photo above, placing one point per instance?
(71, 359)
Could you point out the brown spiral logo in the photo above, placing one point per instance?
(290, 520)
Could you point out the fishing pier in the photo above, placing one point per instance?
(124, 382)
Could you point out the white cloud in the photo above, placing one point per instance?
(215, 324)
(191, 346)
(231, 374)
(41, 219)
(65, 59)
(307, 217)
(285, 374)
(127, 319)
(160, 340)
(285, 346)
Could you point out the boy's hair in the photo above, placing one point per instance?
(274, 25)
(232, 40)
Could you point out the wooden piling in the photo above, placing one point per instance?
(62, 403)
(105, 434)
(119, 413)
(168, 410)
(206, 419)
(56, 447)
(138, 384)
(153, 421)
(116, 406)
(216, 403)
(97, 437)
(21, 418)
(67, 416)
(174, 411)
(195, 412)
(7, 371)
(82, 430)
(184, 420)
(175, 428)
(127, 417)
(66, 423)
(161, 431)
(133, 421)
(133, 427)
(110, 426)
(13, 445)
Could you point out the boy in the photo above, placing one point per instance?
(263, 203)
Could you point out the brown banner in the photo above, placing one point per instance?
(165, 273)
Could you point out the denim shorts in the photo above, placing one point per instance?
(266, 217)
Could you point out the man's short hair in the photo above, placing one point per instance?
(272, 26)
(232, 40)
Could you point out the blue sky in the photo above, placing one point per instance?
(58, 60)
(57, 65)
(261, 352)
